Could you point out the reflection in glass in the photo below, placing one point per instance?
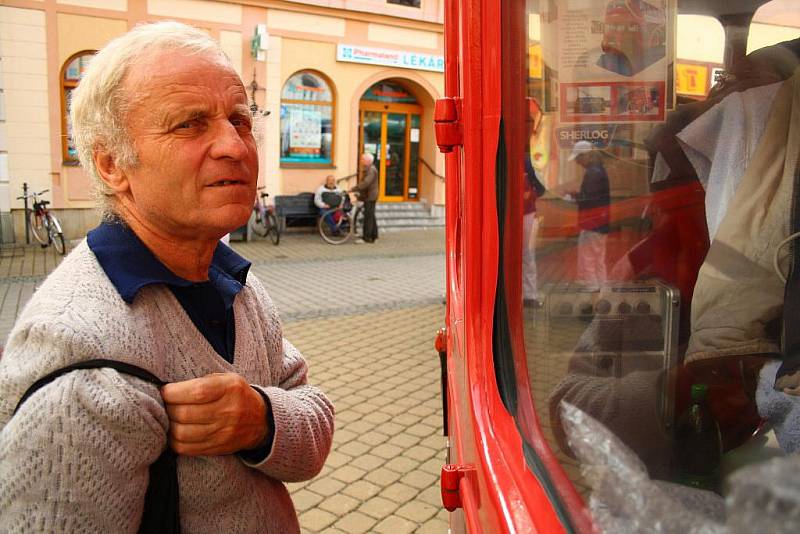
(645, 303)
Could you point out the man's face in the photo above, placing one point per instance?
(198, 166)
(330, 182)
(365, 161)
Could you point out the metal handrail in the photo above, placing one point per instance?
(428, 166)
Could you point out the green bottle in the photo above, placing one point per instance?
(697, 450)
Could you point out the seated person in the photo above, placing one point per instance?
(329, 196)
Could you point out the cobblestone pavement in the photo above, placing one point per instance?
(365, 317)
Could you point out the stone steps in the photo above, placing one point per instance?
(406, 215)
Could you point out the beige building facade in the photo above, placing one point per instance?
(331, 79)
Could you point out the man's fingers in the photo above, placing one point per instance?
(193, 413)
(190, 433)
(197, 390)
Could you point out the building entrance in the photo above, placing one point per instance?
(390, 131)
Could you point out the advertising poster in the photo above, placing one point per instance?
(613, 59)
(305, 132)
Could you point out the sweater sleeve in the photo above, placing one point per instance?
(75, 457)
(303, 418)
(302, 414)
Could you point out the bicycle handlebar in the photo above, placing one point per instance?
(42, 192)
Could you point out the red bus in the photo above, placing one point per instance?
(619, 351)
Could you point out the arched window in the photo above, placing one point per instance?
(71, 74)
(307, 108)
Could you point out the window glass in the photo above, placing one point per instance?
(411, 3)
(386, 91)
(72, 71)
(306, 120)
(639, 254)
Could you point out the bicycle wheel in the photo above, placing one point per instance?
(273, 230)
(337, 233)
(55, 233)
(258, 224)
(38, 228)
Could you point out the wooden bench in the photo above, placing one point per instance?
(296, 210)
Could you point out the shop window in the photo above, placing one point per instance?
(307, 109)
(410, 3)
(71, 74)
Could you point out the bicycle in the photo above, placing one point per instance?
(265, 222)
(339, 224)
(44, 226)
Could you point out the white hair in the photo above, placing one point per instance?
(369, 158)
(99, 106)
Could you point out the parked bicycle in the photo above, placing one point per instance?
(43, 225)
(339, 224)
(265, 222)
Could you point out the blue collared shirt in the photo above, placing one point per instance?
(130, 266)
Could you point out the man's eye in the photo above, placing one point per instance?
(185, 125)
(241, 122)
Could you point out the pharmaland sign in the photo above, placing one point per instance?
(389, 58)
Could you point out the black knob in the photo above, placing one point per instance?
(643, 307)
(586, 308)
(565, 308)
(603, 306)
(624, 308)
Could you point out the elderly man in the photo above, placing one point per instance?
(162, 124)
(367, 190)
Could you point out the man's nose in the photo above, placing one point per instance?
(228, 142)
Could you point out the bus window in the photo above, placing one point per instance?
(641, 211)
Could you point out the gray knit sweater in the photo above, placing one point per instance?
(76, 455)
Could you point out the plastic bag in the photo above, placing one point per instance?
(761, 498)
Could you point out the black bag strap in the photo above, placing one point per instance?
(161, 502)
(791, 294)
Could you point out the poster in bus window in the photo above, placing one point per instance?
(613, 58)
(305, 133)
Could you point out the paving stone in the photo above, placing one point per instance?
(403, 441)
(368, 462)
(348, 474)
(387, 450)
(434, 526)
(339, 504)
(373, 438)
(378, 507)
(420, 452)
(353, 448)
(326, 486)
(337, 459)
(416, 511)
(402, 464)
(305, 499)
(382, 476)
(431, 495)
(361, 490)
(418, 479)
(395, 525)
(399, 492)
(420, 430)
(356, 523)
(315, 520)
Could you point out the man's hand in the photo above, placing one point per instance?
(216, 414)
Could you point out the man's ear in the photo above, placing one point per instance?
(111, 174)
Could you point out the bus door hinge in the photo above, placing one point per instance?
(451, 484)
(447, 122)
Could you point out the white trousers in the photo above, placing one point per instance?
(529, 228)
(592, 257)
